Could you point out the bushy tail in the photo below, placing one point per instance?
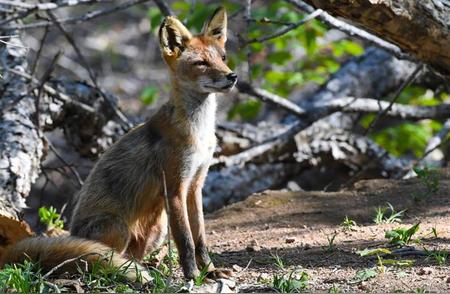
(69, 254)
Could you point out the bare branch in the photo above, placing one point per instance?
(288, 28)
(164, 7)
(125, 121)
(396, 95)
(349, 105)
(75, 20)
(49, 5)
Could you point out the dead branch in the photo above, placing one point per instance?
(287, 29)
(120, 115)
(395, 96)
(164, 7)
(418, 27)
(349, 105)
(74, 20)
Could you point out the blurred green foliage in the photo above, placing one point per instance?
(149, 95)
(284, 65)
(409, 138)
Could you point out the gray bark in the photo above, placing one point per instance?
(62, 104)
(21, 146)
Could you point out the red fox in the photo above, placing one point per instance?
(122, 205)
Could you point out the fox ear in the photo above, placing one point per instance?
(173, 36)
(216, 27)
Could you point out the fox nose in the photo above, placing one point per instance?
(232, 77)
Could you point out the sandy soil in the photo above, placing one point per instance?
(297, 226)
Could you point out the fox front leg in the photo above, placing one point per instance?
(181, 231)
(197, 224)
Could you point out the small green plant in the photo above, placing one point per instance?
(382, 217)
(50, 217)
(292, 283)
(439, 256)
(434, 232)
(401, 236)
(375, 251)
(364, 275)
(348, 223)
(381, 262)
(330, 246)
(420, 290)
(159, 282)
(279, 263)
(334, 289)
(200, 279)
(429, 177)
(22, 278)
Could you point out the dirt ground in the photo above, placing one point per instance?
(297, 227)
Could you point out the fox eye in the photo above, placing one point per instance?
(224, 58)
(201, 63)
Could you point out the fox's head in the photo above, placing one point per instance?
(198, 62)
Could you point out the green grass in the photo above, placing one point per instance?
(29, 278)
(278, 261)
(330, 246)
(430, 179)
(22, 278)
(439, 256)
(388, 215)
(291, 283)
(348, 223)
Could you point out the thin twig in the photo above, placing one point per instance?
(164, 7)
(55, 93)
(44, 79)
(248, 20)
(287, 29)
(396, 95)
(49, 5)
(39, 52)
(437, 140)
(75, 20)
(126, 124)
(71, 168)
(13, 45)
(67, 261)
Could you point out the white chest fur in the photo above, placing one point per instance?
(201, 128)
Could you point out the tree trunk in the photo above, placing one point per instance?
(420, 27)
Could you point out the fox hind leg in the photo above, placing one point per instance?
(151, 239)
(105, 228)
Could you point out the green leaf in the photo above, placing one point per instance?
(247, 110)
(155, 18)
(149, 95)
(401, 263)
(376, 251)
(279, 57)
(364, 275)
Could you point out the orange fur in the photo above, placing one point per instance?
(51, 252)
